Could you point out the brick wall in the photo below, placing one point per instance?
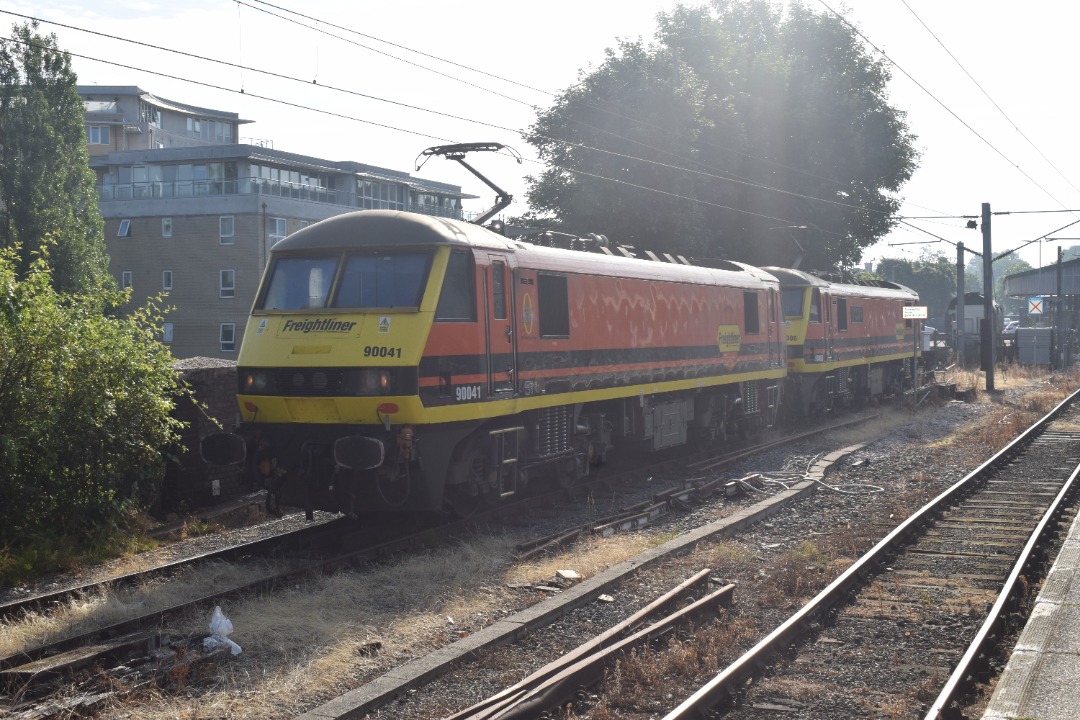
(189, 482)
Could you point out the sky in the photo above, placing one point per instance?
(987, 87)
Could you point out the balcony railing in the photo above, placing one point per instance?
(162, 190)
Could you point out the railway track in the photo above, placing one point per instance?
(295, 541)
(912, 625)
(35, 672)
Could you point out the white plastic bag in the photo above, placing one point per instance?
(220, 627)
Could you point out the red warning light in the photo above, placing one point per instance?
(388, 408)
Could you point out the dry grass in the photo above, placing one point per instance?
(112, 606)
(311, 642)
(638, 680)
(588, 557)
(314, 640)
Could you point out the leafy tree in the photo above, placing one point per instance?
(932, 275)
(46, 185)
(598, 182)
(741, 133)
(85, 404)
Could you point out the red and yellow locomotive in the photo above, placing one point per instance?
(846, 341)
(395, 360)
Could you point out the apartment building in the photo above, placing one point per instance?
(191, 209)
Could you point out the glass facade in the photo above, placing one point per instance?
(213, 179)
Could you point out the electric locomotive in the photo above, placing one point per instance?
(402, 361)
(846, 341)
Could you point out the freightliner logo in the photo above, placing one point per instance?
(308, 325)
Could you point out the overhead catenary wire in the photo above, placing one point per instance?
(465, 119)
(427, 135)
(429, 110)
(947, 109)
(534, 107)
(727, 177)
(987, 95)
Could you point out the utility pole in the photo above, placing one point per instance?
(1058, 361)
(960, 304)
(988, 300)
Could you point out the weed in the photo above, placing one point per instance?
(42, 554)
(800, 570)
(195, 528)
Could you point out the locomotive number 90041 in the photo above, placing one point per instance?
(381, 351)
(467, 392)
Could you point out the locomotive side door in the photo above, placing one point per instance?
(774, 340)
(499, 326)
(826, 326)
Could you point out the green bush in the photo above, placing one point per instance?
(85, 402)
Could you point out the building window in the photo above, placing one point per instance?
(276, 229)
(227, 283)
(97, 134)
(226, 229)
(375, 195)
(166, 279)
(166, 333)
(125, 279)
(166, 227)
(227, 337)
(125, 229)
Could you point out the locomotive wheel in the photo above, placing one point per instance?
(462, 503)
(467, 495)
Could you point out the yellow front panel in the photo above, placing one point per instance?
(385, 339)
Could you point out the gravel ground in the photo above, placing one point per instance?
(867, 495)
(861, 500)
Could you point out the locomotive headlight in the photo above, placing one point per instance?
(376, 382)
(256, 381)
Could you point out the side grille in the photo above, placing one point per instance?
(751, 402)
(554, 431)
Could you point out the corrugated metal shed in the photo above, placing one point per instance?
(1043, 281)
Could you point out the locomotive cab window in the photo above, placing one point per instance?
(815, 306)
(793, 303)
(856, 313)
(751, 320)
(383, 281)
(554, 305)
(498, 289)
(299, 283)
(457, 302)
(841, 314)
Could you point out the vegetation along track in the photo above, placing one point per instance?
(907, 626)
